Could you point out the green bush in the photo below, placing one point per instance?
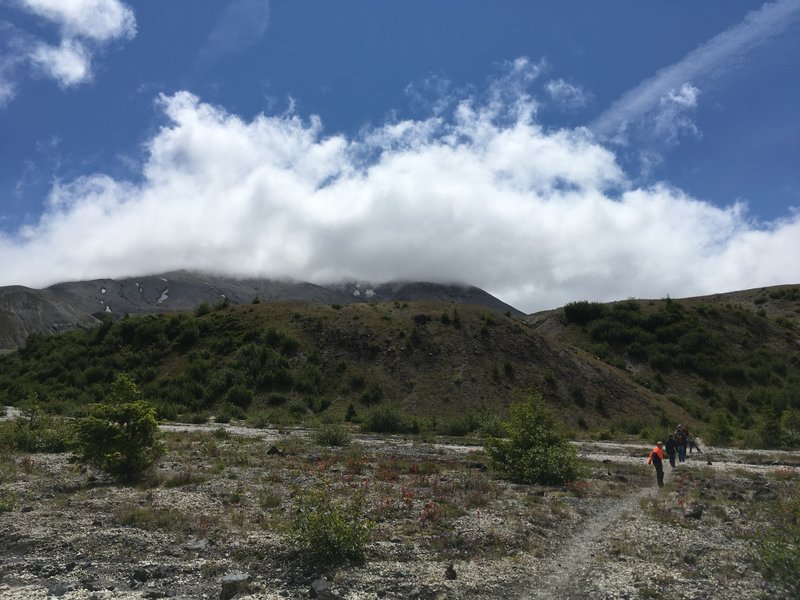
(34, 431)
(332, 435)
(534, 451)
(385, 419)
(330, 532)
(582, 312)
(459, 426)
(779, 550)
(239, 395)
(720, 430)
(45, 434)
(119, 436)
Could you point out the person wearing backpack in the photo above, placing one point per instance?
(657, 460)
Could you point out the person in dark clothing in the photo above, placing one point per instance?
(671, 447)
(680, 442)
(657, 459)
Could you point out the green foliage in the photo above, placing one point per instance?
(791, 426)
(583, 312)
(535, 451)
(459, 426)
(119, 436)
(328, 531)
(372, 395)
(240, 396)
(720, 431)
(44, 434)
(34, 431)
(779, 546)
(386, 419)
(332, 435)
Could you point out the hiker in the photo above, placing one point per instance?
(656, 459)
(680, 442)
(671, 447)
(693, 444)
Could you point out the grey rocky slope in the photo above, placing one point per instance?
(80, 304)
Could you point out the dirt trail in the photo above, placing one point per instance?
(565, 573)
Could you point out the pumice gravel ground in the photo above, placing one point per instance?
(214, 521)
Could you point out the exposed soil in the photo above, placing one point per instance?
(220, 507)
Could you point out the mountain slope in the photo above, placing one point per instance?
(433, 360)
(79, 304)
(24, 311)
(731, 357)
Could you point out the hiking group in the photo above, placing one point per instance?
(677, 444)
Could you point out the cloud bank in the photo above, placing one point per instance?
(84, 28)
(481, 195)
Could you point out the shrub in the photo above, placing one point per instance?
(329, 532)
(239, 395)
(332, 435)
(459, 426)
(385, 419)
(583, 312)
(34, 431)
(119, 436)
(535, 451)
(45, 434)
(779, 552)
(720, 431)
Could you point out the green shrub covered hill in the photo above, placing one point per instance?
(727, 365)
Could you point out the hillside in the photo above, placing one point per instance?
(79, 304)
(726, 365)
(289, 361)
(731, 357)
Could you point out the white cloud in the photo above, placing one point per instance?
(537, 217)
(100, 20)
(7, 90)
(84, 27)
(567, 95)
(242, 24)
(708, 61)
(69, 63)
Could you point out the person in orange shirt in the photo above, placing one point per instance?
(657, 459)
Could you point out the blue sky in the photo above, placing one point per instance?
(545, 151)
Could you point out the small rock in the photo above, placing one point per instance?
(275, 451)
(764, 493)
(57, 589)
(450, 572)
(320, 588)
(233, 584)
(141, 575)
(200, 544)
(415, 593)
(695, 512)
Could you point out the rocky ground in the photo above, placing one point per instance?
(214, 521)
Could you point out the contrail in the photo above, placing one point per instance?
(723, 49)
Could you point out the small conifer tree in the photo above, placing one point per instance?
(120, 435)
(535, 451)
